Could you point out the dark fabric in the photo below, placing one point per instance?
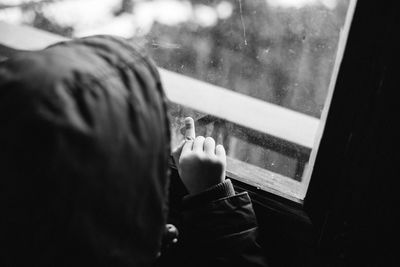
(220, 233)
(221, 190)
(84, 144)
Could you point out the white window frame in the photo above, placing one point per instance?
(282, 123)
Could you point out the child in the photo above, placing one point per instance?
(84, 147)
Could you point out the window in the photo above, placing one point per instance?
(256, 75)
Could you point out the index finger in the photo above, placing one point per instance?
(190, 133)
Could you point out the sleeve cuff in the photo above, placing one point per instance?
(221, 190)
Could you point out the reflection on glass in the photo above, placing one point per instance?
(282, 52)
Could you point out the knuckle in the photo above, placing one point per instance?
(212, 161)
(189, 141)
(192, 156)
(218, 162)
(201, 157)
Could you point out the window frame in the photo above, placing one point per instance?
(311, 226)
(338, 134)
(298, 145)
(365, 60)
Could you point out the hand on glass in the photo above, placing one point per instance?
(201, 164)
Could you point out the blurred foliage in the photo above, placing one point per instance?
(281, 55)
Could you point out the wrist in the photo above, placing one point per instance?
(221, 190)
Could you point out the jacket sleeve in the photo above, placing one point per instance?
(219, 228)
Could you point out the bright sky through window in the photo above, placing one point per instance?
(301, 3)
(90, 17)
(270, 61)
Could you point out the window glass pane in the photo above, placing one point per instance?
(260, 70)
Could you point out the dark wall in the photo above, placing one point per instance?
(353, 195)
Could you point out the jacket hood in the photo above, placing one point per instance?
(84, 143)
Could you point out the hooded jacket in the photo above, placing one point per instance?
(84, 142)
(84, 147)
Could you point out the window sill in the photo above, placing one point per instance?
(291, 128)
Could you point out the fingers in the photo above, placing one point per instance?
(190, 133)
(209, 146)
(198, 144)
(220, 153)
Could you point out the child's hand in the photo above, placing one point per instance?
(201, 164)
